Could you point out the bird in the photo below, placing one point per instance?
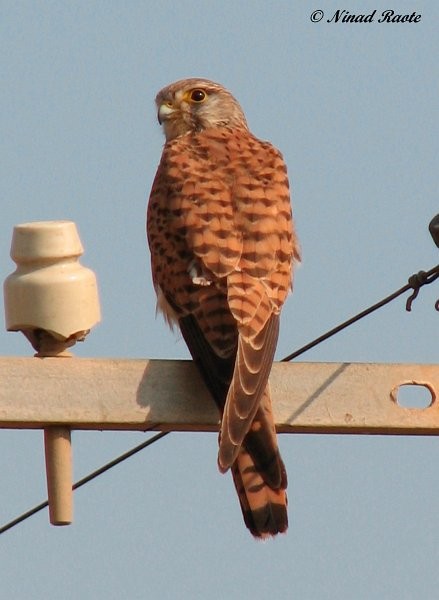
(223, 246)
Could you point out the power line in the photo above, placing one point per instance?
(86, 479)
(414, 283)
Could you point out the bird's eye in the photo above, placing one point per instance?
(197, 95)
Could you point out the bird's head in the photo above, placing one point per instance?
(191, 105)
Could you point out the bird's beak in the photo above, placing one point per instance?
(164, 112)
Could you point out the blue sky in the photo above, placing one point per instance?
(353, 107)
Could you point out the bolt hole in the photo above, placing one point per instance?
(414, 396)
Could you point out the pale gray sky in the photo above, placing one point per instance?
(353, 107)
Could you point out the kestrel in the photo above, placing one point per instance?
(222, 248)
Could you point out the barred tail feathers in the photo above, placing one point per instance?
(264, 509)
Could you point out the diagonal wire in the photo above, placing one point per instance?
(414, 283)
(86, 479)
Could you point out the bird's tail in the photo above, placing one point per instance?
(260, 477)
(258, 471)
(264, 509)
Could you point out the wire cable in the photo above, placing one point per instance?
(415, 282)
(86, 479)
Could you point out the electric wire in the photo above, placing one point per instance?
(86, 479)
(415, 282)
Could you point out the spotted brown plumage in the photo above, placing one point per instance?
(222, 248)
